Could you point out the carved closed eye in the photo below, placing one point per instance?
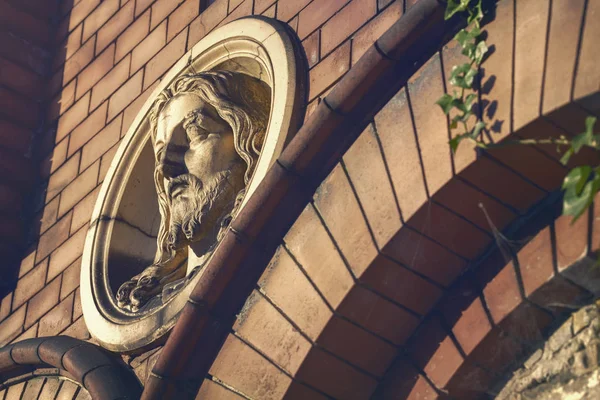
(194, 132)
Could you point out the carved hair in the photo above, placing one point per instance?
(240, 101)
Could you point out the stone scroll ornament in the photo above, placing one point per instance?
(207, 132)
(191, 158)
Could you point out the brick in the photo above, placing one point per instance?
(113, 28)
(342, 215)
(76, 190)
(12, 326)
(57, 319)
(62, 177)
(29, 285)
(469, 382)
(73, 117)
(527, 323)
(125, 95)
(28, 334)
(132, 36)
(82, 212)
(472, 326)
(357, 346)
(62, 101)
(206, 21)
(587, 76)
(378, 315)
(70, 279)
(77, 310)
(5, 306)
(287, 9)
(334, 377)
(42, 302)
(15, 391)
(239, 366)
(394, 128)
(101, 143)
(110, 83)
(571, 240)
(22, 110)
(134, 108)
(14, 137)
(182, 17)
(148, 47)
(312, 48)
(53, 237)
(67, 390)
(95, 71)
(329, 70)
(531, 27)
(302, 304)
(401, 285)
(268, 331)
(66, 254)
(309, 243)
(315, 14)
(562, 52)
(23, 52)
(81, 10)
(502, 294)
(348, 20)
(105, 163)
(49, 215)
(404, 382)
(535, 261)
(261, 5)
(212, 390)
(77, 330)
(78, 61)
(87, 129)
(161, 9)
(369, 33)
(20, 79)
(54, 159)
(98, 17)
(160, 63)
(142, 5)
(465, 200)
(240, 11)
(424, 256)
(28, 261)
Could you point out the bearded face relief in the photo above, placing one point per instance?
(207, 134)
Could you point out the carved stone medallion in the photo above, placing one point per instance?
(196, 151)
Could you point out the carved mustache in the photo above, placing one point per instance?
(180, 182)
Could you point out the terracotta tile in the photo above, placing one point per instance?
(182, 17)
(378, 315)
(133, 35)
(401, 285)
(424, 256)
(368, 174)
(315, 14)
(425, 87)
(42, 302)
(125, 95)
(239, 366)
(101, 143)
(113, 28)
(531, 27)
(465, 200)
(329, 70)
(357, 346)
(303, 304)
(562, 52)
(78, 189)
(311, 246)
(110, 83)
(348, 20)
(394, 127)
(98, 17)
(57, 319)
(67, 253)
(165, 59)
(260, 324)
(87, 129)
(587, 74)
(367, 35)
(148, 47)
(330, 375)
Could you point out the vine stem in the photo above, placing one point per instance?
(529, 142)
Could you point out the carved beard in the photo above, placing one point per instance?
(202, 204)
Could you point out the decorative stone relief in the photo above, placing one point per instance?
(196, 151)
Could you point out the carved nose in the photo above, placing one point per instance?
(172, 164)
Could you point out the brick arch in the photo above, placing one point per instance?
(358, 275)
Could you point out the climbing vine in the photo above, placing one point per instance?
(580, 185)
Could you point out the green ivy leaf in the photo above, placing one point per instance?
(462, 76)
(575, 203)
(446, 102)
(564, 160)
(455, 141)
(477, 129)
(589, 125)
(576, 178)
(480, 52)
(475, 13)
(455, 6)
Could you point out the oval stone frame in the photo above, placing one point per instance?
(262, 47)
